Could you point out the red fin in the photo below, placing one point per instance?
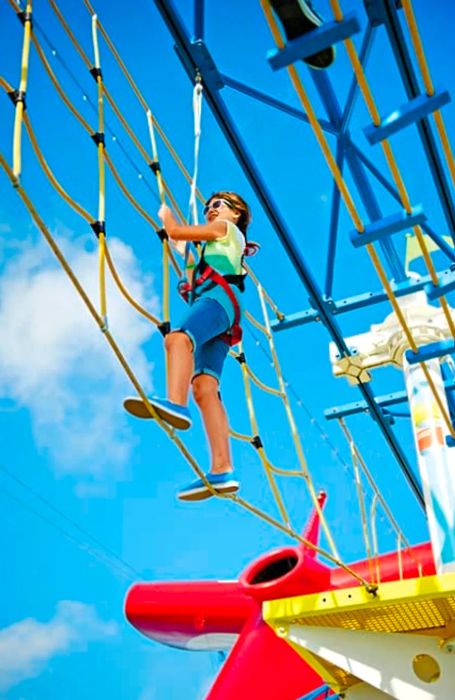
(261, 665)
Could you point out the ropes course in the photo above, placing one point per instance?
(414, 341)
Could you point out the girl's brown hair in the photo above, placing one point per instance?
(239, 204)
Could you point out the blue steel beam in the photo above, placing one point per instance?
(395, 223)
(273, 102)
(196, 57)
(403, 59)
(430, 351)
(434, 292)
(360, 301)
(446, 249)
(409, 113)
(313, 42)
(397, 397)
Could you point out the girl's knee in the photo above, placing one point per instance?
(178, 340)
(205, 389)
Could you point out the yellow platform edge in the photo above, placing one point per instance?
(285, 611)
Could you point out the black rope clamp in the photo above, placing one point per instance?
(241, 359)
(257, 442)
(155, 166)
(98, 138)
(24, 17)
(164, 328)
(18, 96)
(98, 227)
(96, 73)
(162, 234)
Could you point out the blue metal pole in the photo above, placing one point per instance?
(196, 57)
(198, 19)
(273, 102)
(328, 97)
(333, 231)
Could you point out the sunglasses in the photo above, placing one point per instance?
(216, 204)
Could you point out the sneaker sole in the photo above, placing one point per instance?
(297, 19)
(202, 493)
(136, 407)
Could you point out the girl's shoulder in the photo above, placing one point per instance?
(233, 233)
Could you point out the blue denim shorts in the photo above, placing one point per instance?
(203, 323)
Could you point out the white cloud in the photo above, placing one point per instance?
(26, 647)
(55, 361)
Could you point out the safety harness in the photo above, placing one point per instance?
(203, 272)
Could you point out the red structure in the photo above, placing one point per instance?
(218, 615)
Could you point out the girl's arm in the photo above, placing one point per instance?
(178, 232)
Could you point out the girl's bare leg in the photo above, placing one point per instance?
(205, 392)
(180, 367)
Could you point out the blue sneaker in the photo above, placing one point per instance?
(299, 17)
(174, 414)
(198, 490)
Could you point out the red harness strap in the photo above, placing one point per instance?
(234, 334)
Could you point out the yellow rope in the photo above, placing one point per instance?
(260, 450)
(279, 314)
(142, 101)
(378, 498)
(293, 428)
(125, 292)
(424, 69)
(80, 210)
(101, 176)
(363, 516)
(400, 558)
(109, 97)
(17, 165)
(165, 243)
(89, 130)
(374, 535)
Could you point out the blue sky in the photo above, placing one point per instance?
(87, 494)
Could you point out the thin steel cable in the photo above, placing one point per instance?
(110, 552)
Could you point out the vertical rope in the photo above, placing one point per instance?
(258, 444)
(294, 432)
(20, 95)
(96, 72)
(374, 536)
(197, 113)
(165, 243)
(363, 515)
(425, 71)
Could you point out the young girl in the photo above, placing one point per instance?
(197, 348)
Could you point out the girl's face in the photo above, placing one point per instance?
(220, 209)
